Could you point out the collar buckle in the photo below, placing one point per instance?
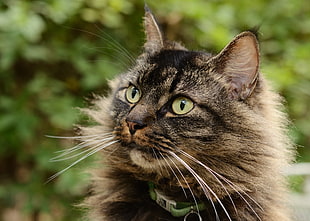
(164, 201)
(177, 209)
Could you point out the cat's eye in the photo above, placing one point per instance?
(182, 105)
(133, 94)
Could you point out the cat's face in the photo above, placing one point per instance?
(176, 101)
(166, 105)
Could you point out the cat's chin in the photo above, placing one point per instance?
(145, 160)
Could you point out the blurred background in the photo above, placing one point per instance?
(55, 54)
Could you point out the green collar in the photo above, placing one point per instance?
(177, 209)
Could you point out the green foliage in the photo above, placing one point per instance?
(56, 53)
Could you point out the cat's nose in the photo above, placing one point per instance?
(134, 126)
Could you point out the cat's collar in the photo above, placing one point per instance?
(177, 209)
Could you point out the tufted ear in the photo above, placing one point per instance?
(238, 64)
(154, 39)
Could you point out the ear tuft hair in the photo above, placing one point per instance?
(154, 38)
(238, 64)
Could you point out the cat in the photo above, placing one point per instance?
(188, 135)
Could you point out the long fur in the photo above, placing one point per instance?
(228, 151)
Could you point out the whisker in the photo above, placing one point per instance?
(174, 174)
(189, 188)
(220, 176)
(201, 181)
(231, 184)
(111, 152)
(79, 160)
(160, 164)
(235, 187)
(59, 158)
(112, 56)
(115, 63)
(211, 172)
(77, 137)
(75, 148)
(81, 146)
(73, 137)
(205, 187)
(117, 45)
(113, 47)
(82, 143)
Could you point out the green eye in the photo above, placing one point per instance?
(182, 105)
(133, 94)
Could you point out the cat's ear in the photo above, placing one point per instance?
(238, 64)
(154, 38)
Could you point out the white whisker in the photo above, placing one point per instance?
(82, 145)
(98, 143)
(231, 184)
(207, 190)
(174, 174)
(79, 160)
(159, 163)
(111, 56)
(120, 48)
(115, 45)
(189, 188)
(77, 137)
(235, 187)
(211, 172)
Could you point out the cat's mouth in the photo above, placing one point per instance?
(143, 151)
(145, 157)
(155, 153)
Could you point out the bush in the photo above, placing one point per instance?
(54, 54)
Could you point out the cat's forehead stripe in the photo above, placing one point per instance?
(175, 82)
(168, 68)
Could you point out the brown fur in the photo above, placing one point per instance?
(236, 129)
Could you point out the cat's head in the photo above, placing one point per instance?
(190, 110)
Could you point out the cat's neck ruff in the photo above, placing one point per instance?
(177, 209)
